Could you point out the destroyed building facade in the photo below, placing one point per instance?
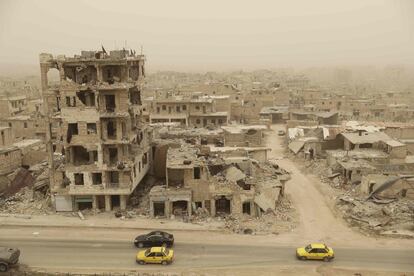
(224, 182)
(94, 121)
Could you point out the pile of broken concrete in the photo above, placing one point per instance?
(382, 217)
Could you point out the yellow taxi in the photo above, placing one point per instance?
(155, 255)
(315, 251)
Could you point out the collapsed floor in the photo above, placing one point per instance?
(27, 191)
(283, 219)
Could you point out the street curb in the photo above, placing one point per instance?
(71, 226)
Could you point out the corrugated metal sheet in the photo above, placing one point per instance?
(296, 146)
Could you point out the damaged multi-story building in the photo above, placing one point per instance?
(221, 183)
(95, 123)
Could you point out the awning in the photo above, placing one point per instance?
(80, 199)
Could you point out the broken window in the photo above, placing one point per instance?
(145, 158)
(96, 178)
(72, 130)
(158, 109)
(365, 146)
(197, 173)
(113, 156)
(78, 179)
(251, 132)
(197, 107)
(91, 128)
(139, 138)
(25, 125)
(113, 177)
(81, 156)
(93, 156)
(198, 204)
(110, 103)
(111, 129)
(134, 72)
(87, 98)
(81, 74)
(243, 185)
(246, 208)
(175, 177)
(111, 74)
(65, 180)
(135, 96)
(70, 101)
(124, 130)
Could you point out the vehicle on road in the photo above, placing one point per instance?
(154, 238)
(315, 251)
(281, 133)
(8, 257)
(155, 255)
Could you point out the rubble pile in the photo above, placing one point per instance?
(40, 173)
(391, 217)
(326, 174)
(382, 217)
(33, 198)
(27, 202)
(140, 201)
(283, 219)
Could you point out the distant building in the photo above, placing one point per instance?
(13, 105)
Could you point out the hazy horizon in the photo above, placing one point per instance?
(204, 36)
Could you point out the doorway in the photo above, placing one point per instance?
(222, 206)
(159, 209)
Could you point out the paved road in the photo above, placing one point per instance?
(104, 254)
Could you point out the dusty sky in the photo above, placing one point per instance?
(214, 34)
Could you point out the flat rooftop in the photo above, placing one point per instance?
(366, 137)
(230, 149)
(359, 154)
(28, 142)
(184, 157)
(241, 128)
